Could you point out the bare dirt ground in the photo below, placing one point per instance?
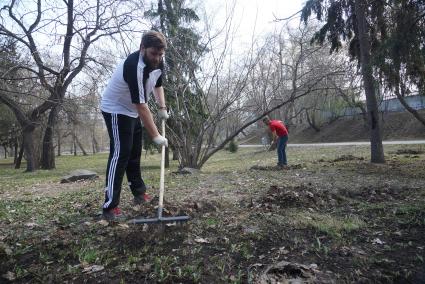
(328, 218)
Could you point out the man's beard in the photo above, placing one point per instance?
(149, 63)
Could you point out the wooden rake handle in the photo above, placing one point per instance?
(161, 180)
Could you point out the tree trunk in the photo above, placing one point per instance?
(95, 144)
(74, 145)
(175, 154)
(48, 154)
(93, 147)
(19, 158)
(15, 145)
(377, 150)
(59, 137)
(400, 97)
(79, 145)
(5, 151)
(28, 145)
(312, 122)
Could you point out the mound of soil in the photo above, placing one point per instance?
(287, 272)
(408, 152)
(297, 196)
(348, 158)
(276, 168)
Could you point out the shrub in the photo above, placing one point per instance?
(233, 146)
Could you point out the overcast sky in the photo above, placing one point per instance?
(255, 16)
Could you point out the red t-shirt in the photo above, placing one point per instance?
(279, 127)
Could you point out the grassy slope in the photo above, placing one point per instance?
(396, 126)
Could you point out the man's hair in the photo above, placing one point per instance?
(153, 39)
(266, 119)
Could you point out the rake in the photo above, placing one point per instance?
(160, 218)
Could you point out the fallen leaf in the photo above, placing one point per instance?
(377, 241)
(93, 269)
(31, 225)
(124, 226)
(6, 249)
(313, 266)
(145, 268)
(46, 239)
(202, 241)
(136, 207)
(103, 223)
(282, 250)
(9, 276)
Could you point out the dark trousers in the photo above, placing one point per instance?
(281, 150)
(125, 149)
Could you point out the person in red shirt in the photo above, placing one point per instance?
(280, 135)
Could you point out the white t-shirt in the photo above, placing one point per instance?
(131, 83)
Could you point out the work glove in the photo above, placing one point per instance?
(160, 141)
(163, 114)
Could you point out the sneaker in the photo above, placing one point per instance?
(113, 214)
(142, 198)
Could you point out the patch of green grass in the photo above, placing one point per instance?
(242, 248)
(403, 213)
(237, 279)
(163, 267)
(368, 206)
(133, 259)
(169, 268)
(211, 222)
(88, 255)
(221, 262)
(22, 249)
(36, 210)
(72, 269)
(320, 247)
(20, 272)
(246, 251)
(15, 178)
(15, 209)
(192, 272)
(44, 257)
(410, 214)
(333, 226)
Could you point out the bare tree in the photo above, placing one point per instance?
(289, 63)
(349, 87)
(71, 28)
(230, 95)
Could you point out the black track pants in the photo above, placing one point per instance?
(125, 134)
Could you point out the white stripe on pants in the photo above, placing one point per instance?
(114, 160)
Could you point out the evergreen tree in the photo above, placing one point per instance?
(183, 95)
(346, 20)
